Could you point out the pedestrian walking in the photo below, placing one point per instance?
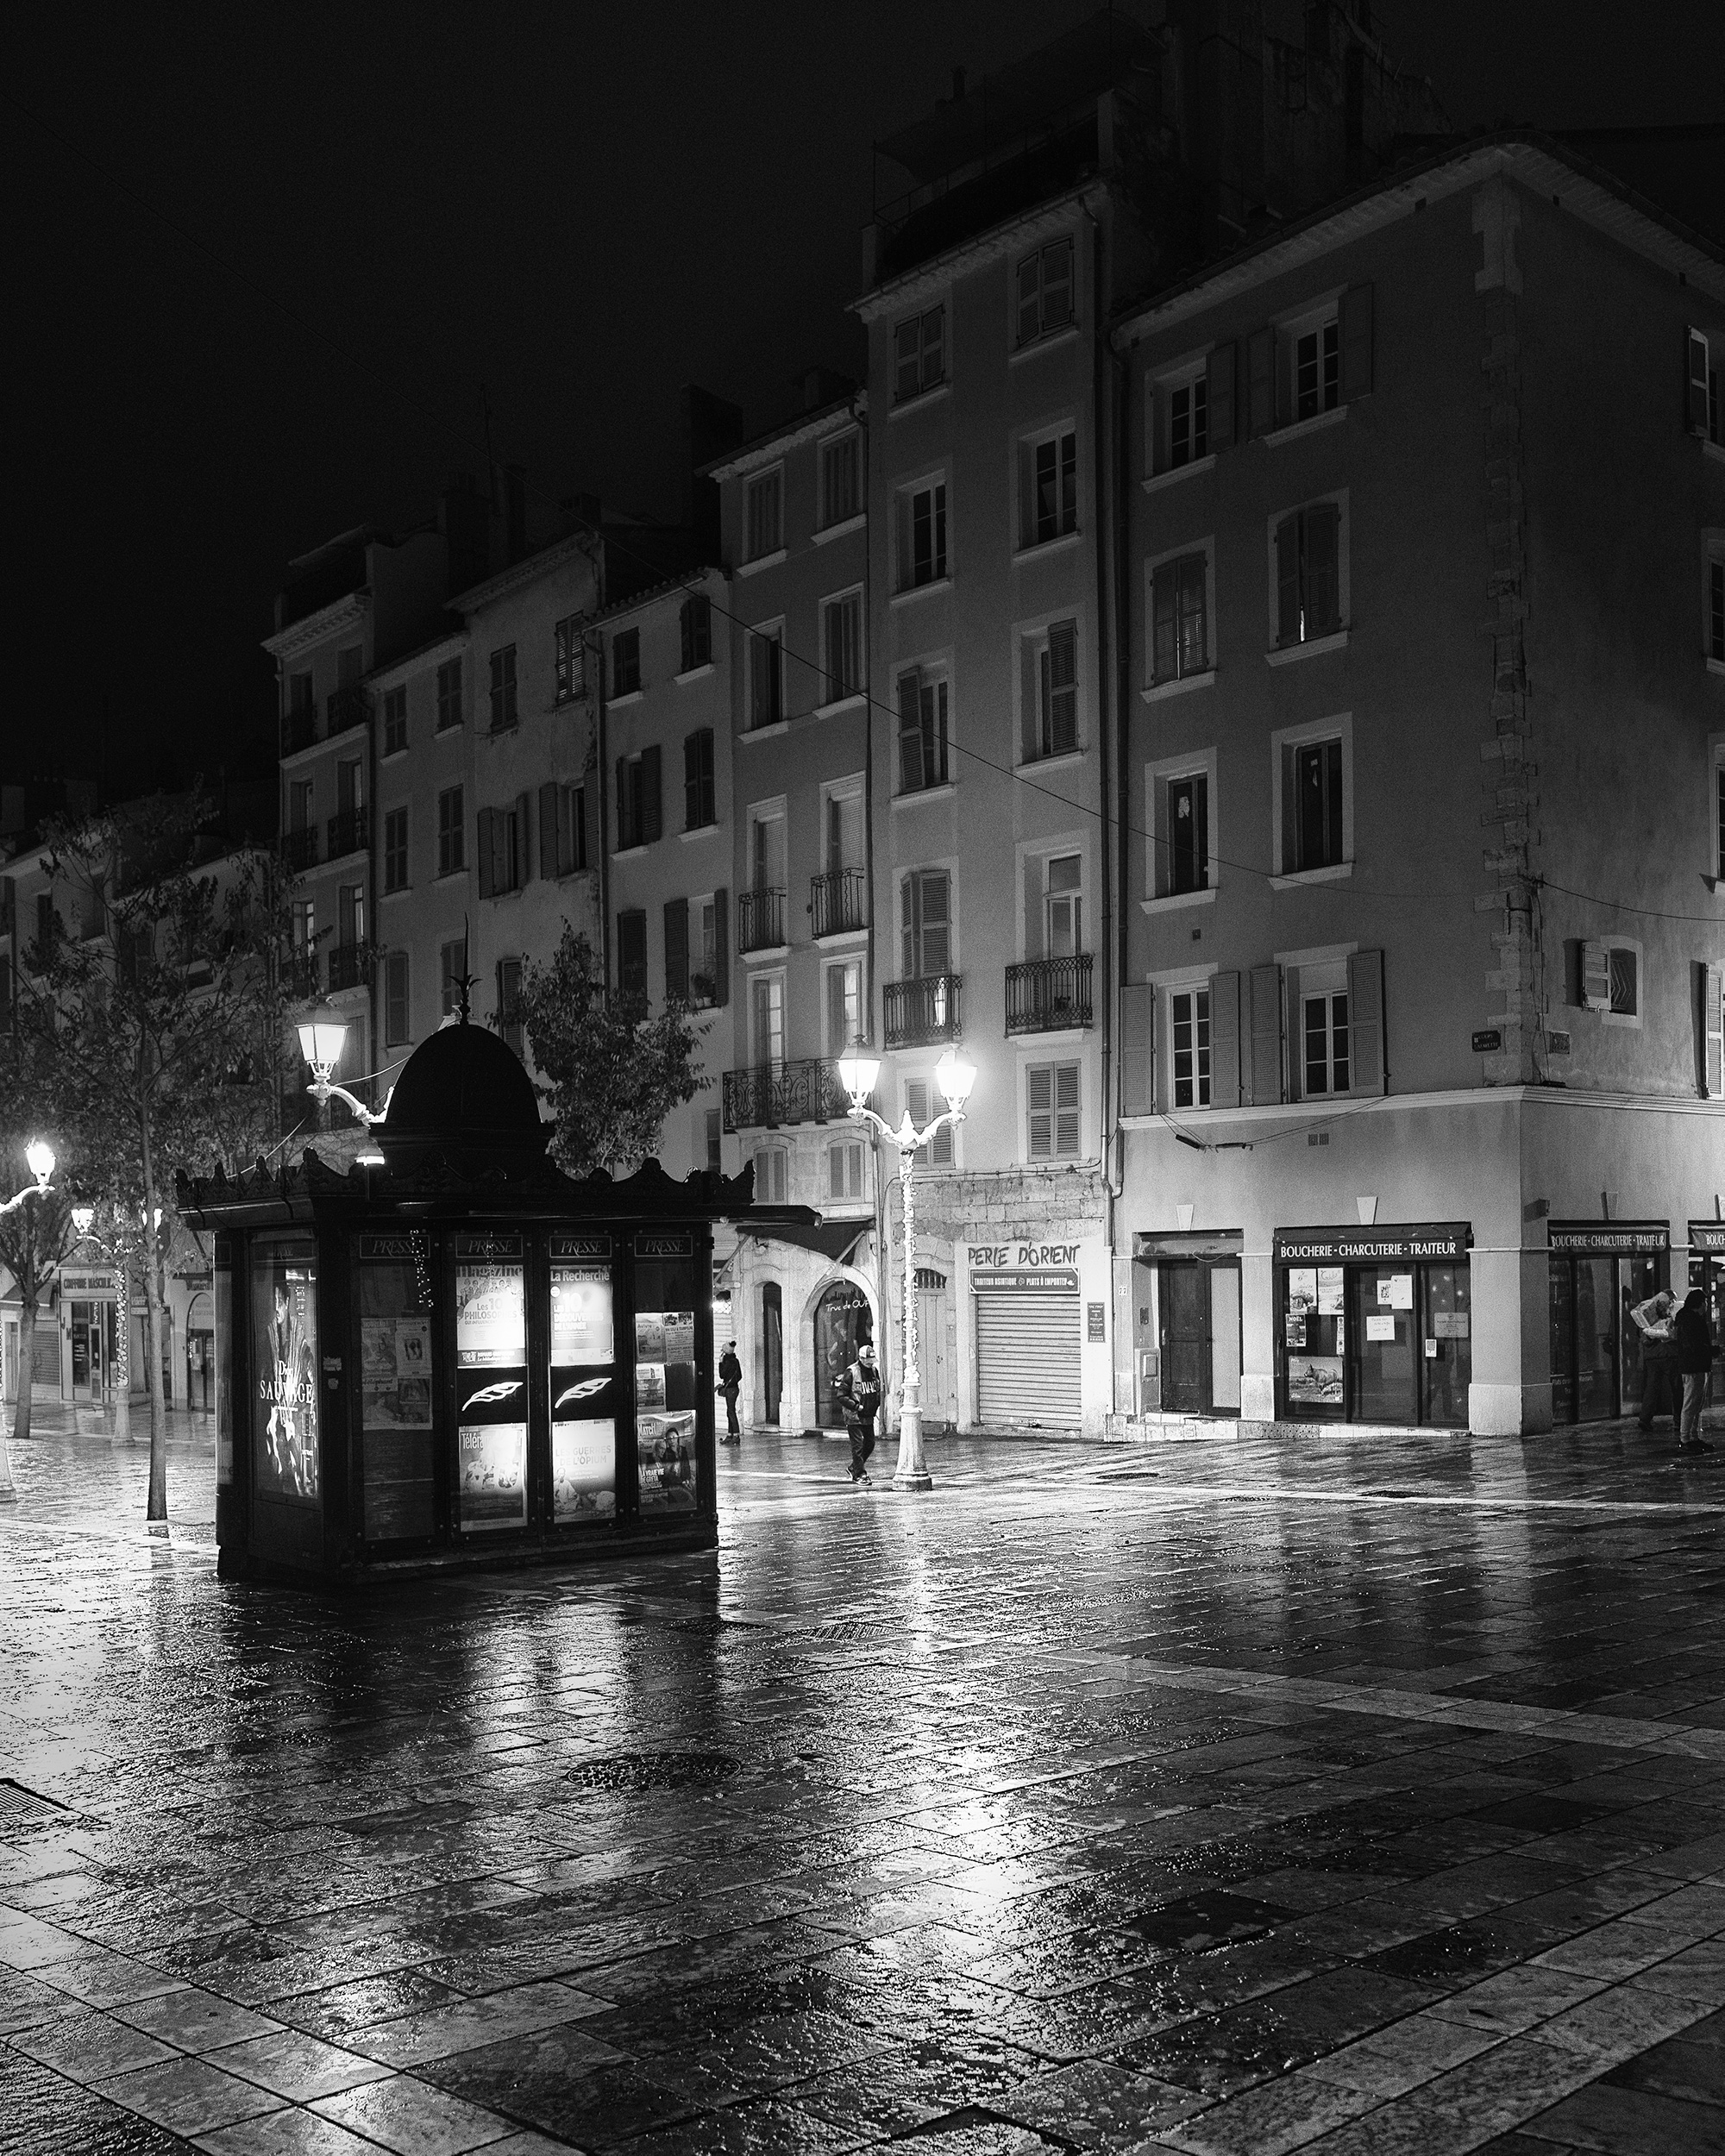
(730, 1384)
(1661, 1393)
(858, 1390)
(1692, 1352)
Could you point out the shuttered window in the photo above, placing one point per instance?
(626, 663)
(631, 954)
(920, 350)
(1189, 1034)
(639, 818)
(677, 949)
(925, 909)
(1712, 999)
(838, 490)
(503, 705)
(1057, 691)
(1180, 642)
(922, 731)
(1307, 574)
(395, 1030)
(842, 644)
(451, 832)
(844, 1169)
(1044, 292)
(1715, 611)
(771, 1175)
(766, 525)
(700, 803)
(920, 516)
(395, 850)
(920, 1104)
(766, 676)
(1051, 1094)
(562, 829)
(1188, 865)
(1048, 488)
(696, 623)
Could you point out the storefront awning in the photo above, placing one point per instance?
(1395, 1241)
(834, 1240)
(1608, 1238)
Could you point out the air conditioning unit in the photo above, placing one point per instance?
(1556, 1044)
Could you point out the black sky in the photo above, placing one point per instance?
(263, 260)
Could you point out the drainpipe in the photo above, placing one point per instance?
(597, 646)
(1100, 393)
(883, 1345)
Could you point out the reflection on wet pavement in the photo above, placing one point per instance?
(1232, 1796)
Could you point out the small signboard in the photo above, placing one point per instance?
(1096, 1314)
(1487, 1043)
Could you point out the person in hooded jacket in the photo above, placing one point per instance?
(1692, 1342)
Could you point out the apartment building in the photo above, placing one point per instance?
(1423, 818)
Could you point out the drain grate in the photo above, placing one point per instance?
(24, 1808)
(633, 1773)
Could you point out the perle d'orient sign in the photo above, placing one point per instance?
(1608, 1239)
(1365, 1246)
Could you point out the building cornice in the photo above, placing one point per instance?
(768, 448)
(1298, 1113)
(300, 636)
(926, 279)
(527, 571)
(398, 670)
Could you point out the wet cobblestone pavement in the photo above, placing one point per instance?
(1229, 1797)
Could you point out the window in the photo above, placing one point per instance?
(709, 958)
(1719, 788)
(395, 1028)
(1051, 1098)
(350, 915)
(919, 347)
(1316, 769)
(766, 676)
(1624, 972)
(394, 721)
(1188, 422)
(1703, 387)
(626, 663)
(926, 908)
(840, 494)
(451, 834)
(395, 850)
(509, 1004)
(772, 1164)
(1611, 979)
(766, 521)
(1180, 626)
(453, 965)
(631, 954)
(1062, 906)
(697, 631)
(1048, 488)
(922, 535)
(563, 828)
(639, 822)
(571, 659)
(1315, 359)
(844, 1177)
(1044, 291)
(1188, 832)
(503, 847)
(922, 731)
(922, 1105)
(700, 804)
(449, 695)
(767, 1019)
(503, 689)
(1307, 574)
(1716, 610)
(1188, 1033)
(844, 1021)
(841, 622)
(299, 804)
(299, 699)
(1050, 691)
(715, 1156)
(303, 933)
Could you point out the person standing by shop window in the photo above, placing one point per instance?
(1693, 1343)
(1661, 1392)
(730, 1384)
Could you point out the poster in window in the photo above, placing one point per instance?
(665, 1454)
(285, 1351)
(584, 1470)
(1380, 1325)
(492, 1489)
(491, 1322)
(582, 1314)
(1302, 1290)
(650, 1336)
(1329, 1291)
(1296, 1332)
(649, 1384)
(1314, 1380)
(395, 1370)
(1395, 1292)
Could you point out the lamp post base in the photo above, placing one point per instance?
(912, 1471)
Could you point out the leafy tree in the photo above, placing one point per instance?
(612, 1071)
(156, 1003)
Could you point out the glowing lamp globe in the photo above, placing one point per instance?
(955, 1074)
(82, 1217)
(40, 1155)
(321, 1036)
(857, 1073)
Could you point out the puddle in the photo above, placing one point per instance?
(633, 1773)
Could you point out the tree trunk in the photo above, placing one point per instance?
(26, 1378)
(156, 1507)
(122, 1344)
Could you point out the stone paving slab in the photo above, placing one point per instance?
(1269, 1792)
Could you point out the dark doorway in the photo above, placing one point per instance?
(772, 1349)
(842, 1320)
(1199, 1306)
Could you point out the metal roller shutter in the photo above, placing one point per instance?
(1027, 1359)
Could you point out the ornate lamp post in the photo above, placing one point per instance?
(40, 1155)
(321, 1035)
(955, 1074)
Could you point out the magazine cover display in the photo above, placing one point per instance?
(583, 1393)
(490, 1375)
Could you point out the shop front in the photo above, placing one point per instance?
(1374, 1325)
(1034, 1337)
(1599, 1271)
(1706, 1272)
(1187, 1328)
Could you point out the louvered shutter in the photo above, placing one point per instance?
(1266, 1035)
(524, 829)
(1595, 976)
(933, 341)
(937, 922)
(652, 814)
(1261, 382)
(1713, 1032)
(1063, 687)
(1287, 580)
(1030, 299)
(1165, 611)
(1040, 1100)
(1698, 355)
(721, 948)
(1365, 1021)
(1225, 1040)
(1066, 1111)
(677, 949)
(627, 834)
(592, 836)
(910, 925)
(1321, 540)
(1057, 285)
(1355, 339)
(911, 778)
(692, 805)
(1137, 1049)
(1219, 379)
(907, 336)
(487, 858)
(632, 952)
(552, 859)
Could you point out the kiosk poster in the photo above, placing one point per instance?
(491, 1318)
(1314, 1380)
(665, 1455)
(584, 1470)
(395, 1371)
(581, 1314)
(1329, 1291)
(492, 1463)
(285, 1346)
(583, 1395)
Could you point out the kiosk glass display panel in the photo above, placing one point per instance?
(1313, 1339)
(490, 1382)
(665, 1388)
(583, 1380)
(286, 1461)
(397, 1348)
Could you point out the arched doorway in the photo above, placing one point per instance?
(842, 1320)
(772, 1349)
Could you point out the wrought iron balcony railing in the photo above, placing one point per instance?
(346, 707)
(773, 1096)
(839, 901)
(760, 920)
(918, 1012)
(304, 972)
(349, 966)
(350, 832)
(298, 728)
(1047, 995)
(299, 849)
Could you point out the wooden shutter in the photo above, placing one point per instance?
(1265, 996)
(1030, 297)
(593, 839)
(1137, 1049)
(1260, 382)
(677, 949)
(1595, 976)
(911, 778)
(1066, 1111)
(1712, 986)
(721, 948)
(523, 828)
(694, 802)
(1356, 338)
(1698, 352)
(1368, 1065)
(1164, 622)
(1057, 285)
(1039, 1101)
(1321, 546)
(906, 339)
(553, 862)
(395, 998)
(652, 813)
(1063, 687)
(627, 834)
(1225, 1040)
(487, 860)
(933, 344)
(935, 921)
(1287, 580)
(1218, 377)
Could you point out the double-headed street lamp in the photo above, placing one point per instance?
(40, 1155)
(955, 1075)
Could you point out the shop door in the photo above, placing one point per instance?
(1446, 1359)
(200, 1363)
(936, 1387)
(1563, 1341)
(1027, 1359)
(1595, 1339)
(843, 1321)
(1384, 1342)
(1224, 1339)
(1185, 1338)
(772, 1349)
(86, 1354)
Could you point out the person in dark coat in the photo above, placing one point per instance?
(730, 1384)
(1693, 1343)
(858, 1392)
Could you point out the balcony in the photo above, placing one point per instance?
(839, 901)
(350, 832)
(346, 708)
(1049, 994)
(349, 966)
(919, 1011)
(772, 1096)
(298, 730)
(299, 849)
(760, 920)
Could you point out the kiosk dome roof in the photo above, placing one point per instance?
(464, 1087)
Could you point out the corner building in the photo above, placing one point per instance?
(1424, 819)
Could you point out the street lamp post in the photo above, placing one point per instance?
(321, 1035)
(955, 1075)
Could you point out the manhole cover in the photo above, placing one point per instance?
(630, 1772)
(24, 1806)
